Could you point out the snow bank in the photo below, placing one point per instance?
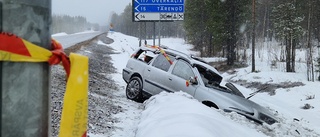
(179, 115)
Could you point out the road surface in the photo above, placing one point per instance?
(72, 39)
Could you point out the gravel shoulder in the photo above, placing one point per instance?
(106, 96)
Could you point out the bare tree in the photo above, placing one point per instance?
(310, 68)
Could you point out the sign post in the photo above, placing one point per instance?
(157, 10)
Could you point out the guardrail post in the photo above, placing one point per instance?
(0, 65)
(25, 86)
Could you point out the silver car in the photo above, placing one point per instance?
(152, 70)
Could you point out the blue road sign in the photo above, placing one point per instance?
(141, 2)
(152, 10)
(159, 8)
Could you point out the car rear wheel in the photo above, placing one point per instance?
(134, 89)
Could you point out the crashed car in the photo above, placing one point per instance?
(152, 70)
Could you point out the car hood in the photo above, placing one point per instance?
(231, 102)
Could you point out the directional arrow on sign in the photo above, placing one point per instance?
(137, 1)
(137, 16)
(137, 8)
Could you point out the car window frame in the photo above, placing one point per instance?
(188, 64)
(172, 58)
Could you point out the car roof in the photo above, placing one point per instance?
(178, 54)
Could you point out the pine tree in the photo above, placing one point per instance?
(213, 25)
(195, 23)
(287, 27)
(237, 15)
(318, 67)
(316, 20)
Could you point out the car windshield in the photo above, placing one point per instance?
(213, 80)
(144, 55)
(208, 77)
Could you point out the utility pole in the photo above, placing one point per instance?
(25, 86)
(0, 67)
(253, 35)
(145, 33)
(159, 33)
(140, 31)
(154, 33)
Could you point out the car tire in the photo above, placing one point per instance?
(134, 89)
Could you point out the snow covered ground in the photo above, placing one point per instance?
(178, 114)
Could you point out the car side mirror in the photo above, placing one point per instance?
(193, 80)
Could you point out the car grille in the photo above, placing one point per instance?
(245, 112)
(267, 119)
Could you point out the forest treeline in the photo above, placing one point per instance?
(225, 27)
(71, 24)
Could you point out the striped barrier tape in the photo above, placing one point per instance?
(74, 116)
(162, 52)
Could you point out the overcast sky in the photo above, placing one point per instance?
(96, 11)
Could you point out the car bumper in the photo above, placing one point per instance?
(256, 116)
(126, 74)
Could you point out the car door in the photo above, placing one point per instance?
(180, 74)
(156, 74)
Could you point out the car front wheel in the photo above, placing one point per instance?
(134, 89)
